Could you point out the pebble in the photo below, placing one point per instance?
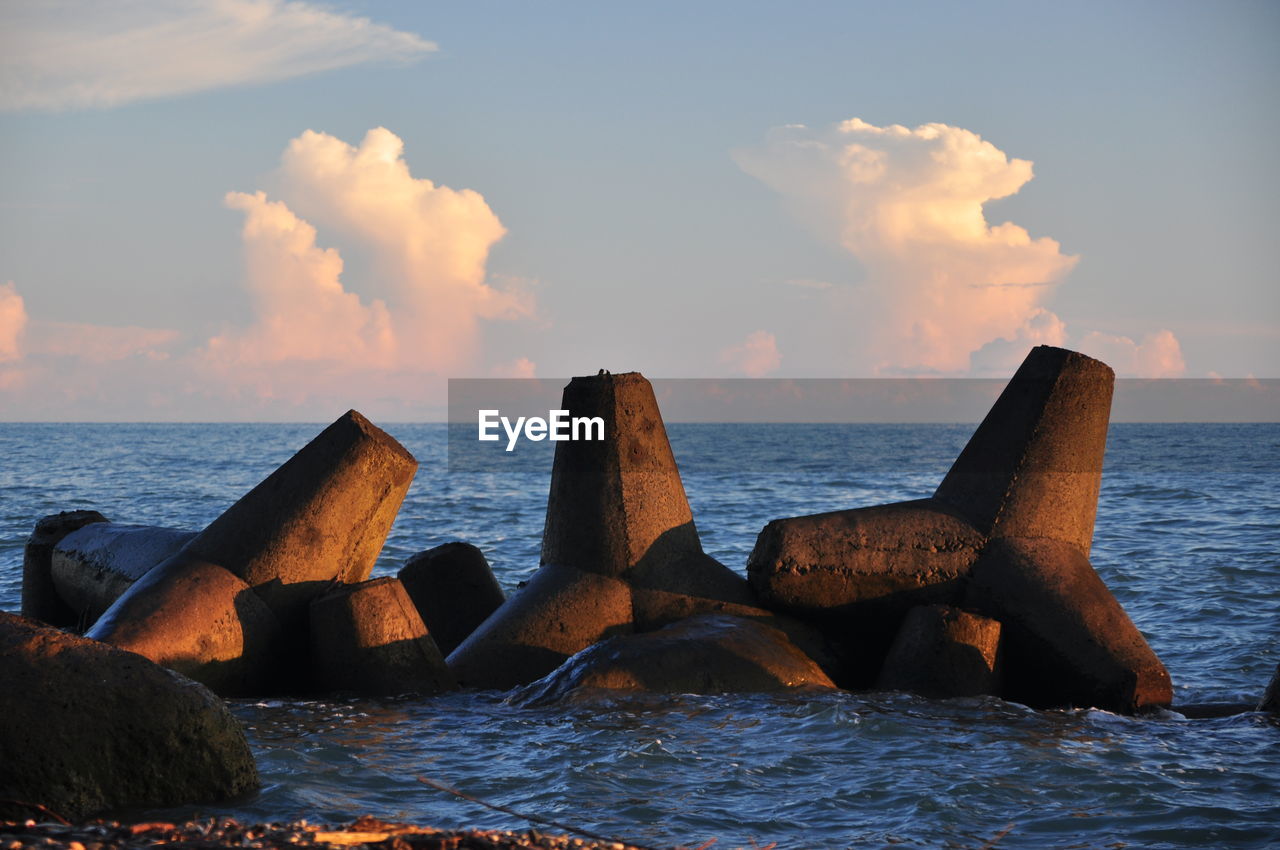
(365, 832)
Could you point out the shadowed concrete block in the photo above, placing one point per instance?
(709, 653)
(617, 511)
(94, 565)
(856, 573)
(873, 562)
(1034, 466)
(201, 620)
(40, 599)
(367, 638)
(561, 611)
(453, 589)
(943, 652)
(1271, 699)
(1067, 641)
(323, 515)
(91, 728)
(618, 500)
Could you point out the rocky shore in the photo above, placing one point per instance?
(223, 832)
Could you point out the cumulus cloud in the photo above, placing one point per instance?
(1158, 355)
(908, 203)
(77, 53)
(302, 311)
(13, 321)
(415, 311)
(429, 243)
(755, 357)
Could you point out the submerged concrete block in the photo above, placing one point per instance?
(367, 638)
(40, 599)
(201, 620)
(1034, 466)
(561, 611)
(856, 573)
(454, 590)
(89, 728)
(943, 652)
(94, 565)
(1067, 641)
(322, 516)
(706, 654)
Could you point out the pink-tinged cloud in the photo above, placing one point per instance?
(13, 321)
(62, 54)
(415, 311)
(908, 204)
(429, 243)
(755, 357)
(1158, 355)
(521, 367)
(302, 312)
(99, 343)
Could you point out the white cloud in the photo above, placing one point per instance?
(755, 357)
(302, 313)
(1158, 355)
(429, 243)
(78, 53)
(908, 203)
(13, 321)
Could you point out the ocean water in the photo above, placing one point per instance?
(1188, 538)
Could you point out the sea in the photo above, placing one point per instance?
(1187, 537)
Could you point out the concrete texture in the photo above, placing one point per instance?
(94, 565)
(943, 652)
(201, 620)
(617, 512)
(368, 639)
(870, 562)
(96, 728)
(1067, 641)
(561, 611)
(1034, 466)
(454, 590)
(40, 599)
(709, 653)
(617, 500)
(322, 516)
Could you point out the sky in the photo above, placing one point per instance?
(256, 210)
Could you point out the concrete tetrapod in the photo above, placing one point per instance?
(201, 620)
(368, 639)
(943, 652)
(40, 599)
(454, 590)
(1271, 699)
(1033, 468)
(93, 566)
(620, 551)
(92, 728)
(320, 518)
(1031, 472)
(704, 654)
(1067, 640)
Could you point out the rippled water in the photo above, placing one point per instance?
(1188, 537)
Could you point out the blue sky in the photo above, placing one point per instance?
(622, 187)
